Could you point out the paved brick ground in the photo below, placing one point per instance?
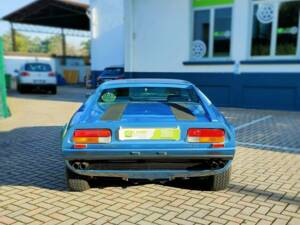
(273, 130)
(265, 187)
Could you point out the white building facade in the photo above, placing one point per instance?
(241, 53)
(107, 39)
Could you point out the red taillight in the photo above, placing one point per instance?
(95, 136)
(199, 135)
(25, 74)
(51, 74)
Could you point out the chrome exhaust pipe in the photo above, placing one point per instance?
(222, 164)
(84, 165)
(214, 165)
(77, 166)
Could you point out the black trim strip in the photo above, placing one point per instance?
(270, 62)
(195, 63)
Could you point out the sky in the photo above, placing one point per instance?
(7, 7)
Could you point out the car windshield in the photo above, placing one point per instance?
(149, 94)
(38, 67)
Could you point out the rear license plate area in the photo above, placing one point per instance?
(171, 134)
(39, 82)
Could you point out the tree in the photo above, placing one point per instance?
(51, 45)
(86, 48)
(22, 42)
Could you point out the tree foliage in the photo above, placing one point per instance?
(50, 45)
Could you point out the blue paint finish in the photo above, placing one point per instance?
(152, 115)
(248, 90)
(148, 109)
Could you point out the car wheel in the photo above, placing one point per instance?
(54, 90)
(76, 182)
(221, 181)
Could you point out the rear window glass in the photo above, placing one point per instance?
(113, 71)
(149, 94)
(38, 67)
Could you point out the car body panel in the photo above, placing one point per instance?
(148, 115)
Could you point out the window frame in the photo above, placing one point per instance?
(273, 44)
(211, 9)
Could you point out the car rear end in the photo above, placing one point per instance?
(37, 76)
(176, 136)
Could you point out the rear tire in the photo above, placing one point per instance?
(76, 182)
(221, 181)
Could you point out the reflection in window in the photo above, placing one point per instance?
(201, 31)
(287, 31)
(212, 36)
(222, 32)
(261, 34)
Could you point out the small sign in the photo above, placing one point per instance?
(172, 134)
(208, 3)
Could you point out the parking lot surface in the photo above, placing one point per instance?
(265, 185)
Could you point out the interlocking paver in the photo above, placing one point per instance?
(265, 186)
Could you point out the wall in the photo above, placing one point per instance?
(107, 26)
(159, 33)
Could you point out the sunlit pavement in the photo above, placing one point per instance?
(264, 189)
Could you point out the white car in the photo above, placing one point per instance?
(36, 76)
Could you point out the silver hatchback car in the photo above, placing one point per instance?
(36, 76)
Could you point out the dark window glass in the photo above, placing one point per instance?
(37, 67)
(201, 27)
(287, 31)
(149, 94)
(222, 32)
(261, 36)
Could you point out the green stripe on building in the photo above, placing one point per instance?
(4, 112)
(208, 3)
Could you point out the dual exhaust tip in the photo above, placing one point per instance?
(217, 164)
(80, 165)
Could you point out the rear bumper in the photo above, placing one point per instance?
(150, 174)
(142, 170)
(38, 85)
(124, 154)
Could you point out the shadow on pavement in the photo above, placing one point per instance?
(32, 157)
(65, 94)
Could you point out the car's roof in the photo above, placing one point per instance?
(138, 82)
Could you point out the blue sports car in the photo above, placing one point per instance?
(150, 129)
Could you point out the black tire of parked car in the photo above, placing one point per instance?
(20, 89)
(76, 182)
(221, 181)
(54, 90)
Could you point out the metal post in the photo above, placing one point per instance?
(64, 51)
(13, 37)
(4, 112)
